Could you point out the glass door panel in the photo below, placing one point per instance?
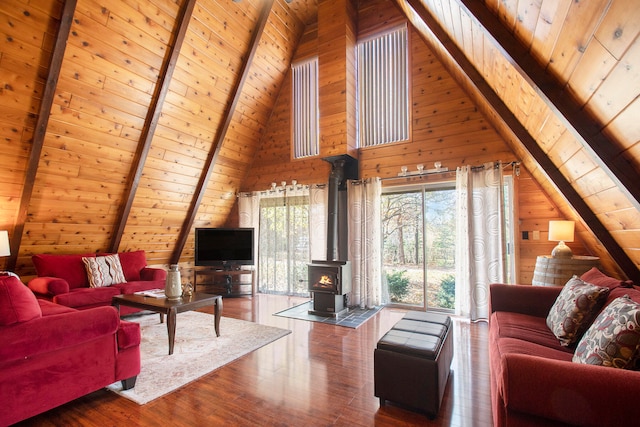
(418, 230)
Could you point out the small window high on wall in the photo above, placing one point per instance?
(383, 88)
(305, 108)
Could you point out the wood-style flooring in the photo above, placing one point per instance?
(319, 375)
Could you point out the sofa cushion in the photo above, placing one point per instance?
(17, 303)
(104, 270)
(526, 327)
(132, 263)
(598, 278)
(67, 267)
(613, 338)
(87, 297)
(575, 308)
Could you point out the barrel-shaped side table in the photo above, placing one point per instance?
(550, 271)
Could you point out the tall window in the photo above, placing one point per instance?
(305, 109)
(284, 245)
(419, 236)
(383, 88)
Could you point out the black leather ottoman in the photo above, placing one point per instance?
(412, 362)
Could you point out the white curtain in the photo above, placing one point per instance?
(480, 250)
(365, 242)
(318, 221)
(249, 205)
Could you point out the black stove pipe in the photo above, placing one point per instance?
(335, 179)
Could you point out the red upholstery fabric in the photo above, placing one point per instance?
(533, 329)
(535, 301)
(128, 335)
(132, 264)
(67, 267)
(152, 274)
(17, 302)
(534, 381)
(63, 279)
(49, 286)
(81, 297)
(598, 278)
(65, 354)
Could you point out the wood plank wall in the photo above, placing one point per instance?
(446, 127)
(109, 74)
(26, 44)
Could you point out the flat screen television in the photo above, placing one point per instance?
(224, 247)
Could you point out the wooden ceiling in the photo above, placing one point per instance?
(560, 81)
(129, 123)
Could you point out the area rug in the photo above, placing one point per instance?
(353, 319)
(197, 351)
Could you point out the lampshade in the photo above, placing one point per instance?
(561, 231)
(5, 249)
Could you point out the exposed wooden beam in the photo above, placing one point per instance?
(41, 128)
(443, 45)
(221, 135)
(151, 122)
(582, 126)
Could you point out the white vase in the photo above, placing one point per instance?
(173, 287)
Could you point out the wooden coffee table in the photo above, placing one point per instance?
(172, 307)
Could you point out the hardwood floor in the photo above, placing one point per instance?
(319, 375)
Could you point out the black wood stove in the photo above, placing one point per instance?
(330, 279)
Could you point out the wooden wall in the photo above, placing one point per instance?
(111, 73)
(446, 126)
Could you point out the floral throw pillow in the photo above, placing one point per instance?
(574, 309)
(104, 270)
(614, 338)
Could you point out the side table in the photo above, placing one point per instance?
(550, 271)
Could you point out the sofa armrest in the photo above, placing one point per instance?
(568, 392)
(50, 333)
(524, 299)
(151, 274)
(49, 286)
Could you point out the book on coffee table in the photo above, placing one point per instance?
(153, 293)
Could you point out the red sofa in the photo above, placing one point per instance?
(533, 378)
(51, 354)
(64, 279)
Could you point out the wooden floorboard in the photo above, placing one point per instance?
(319, 375)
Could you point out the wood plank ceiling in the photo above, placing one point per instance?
(568, 73)
(155, 120)
(145, 107)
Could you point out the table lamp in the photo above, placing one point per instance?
(5, 249)
(561, 231)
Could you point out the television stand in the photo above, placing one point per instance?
(232, 281)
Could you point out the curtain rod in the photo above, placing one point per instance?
(445, 172)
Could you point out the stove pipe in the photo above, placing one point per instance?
(335, 179)
(343, 168)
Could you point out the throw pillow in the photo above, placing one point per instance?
(614, 338)
(574, 309)
(17, 302)
(104, 270)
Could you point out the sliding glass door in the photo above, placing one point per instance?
(284, 245)
(419, 236)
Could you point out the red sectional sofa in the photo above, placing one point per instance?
(64, 279)
(51, 354)
(534, 380)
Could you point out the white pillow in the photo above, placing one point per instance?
(104, 270)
